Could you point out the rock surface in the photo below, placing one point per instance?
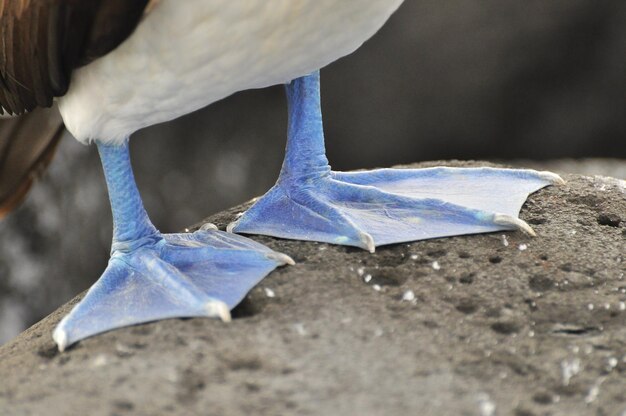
(494, 79)
(496, 324)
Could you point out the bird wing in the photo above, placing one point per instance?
(27, 144)
(42, 41)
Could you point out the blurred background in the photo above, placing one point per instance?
(496, 79)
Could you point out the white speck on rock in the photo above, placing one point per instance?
(505, 241)
(413, 256)
(523, 247)
(408, 296)
(569, 368)
(269, 292)
(367, 278)
(299, 328)
(485, 405)
(590, 306)
(594, 391)
(436, 265)
(377, 288)
(622, 306)
(360, 271)
(99, 361)
(172, 375)
(123, 350)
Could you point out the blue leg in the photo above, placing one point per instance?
(154, 276)
(385, 206)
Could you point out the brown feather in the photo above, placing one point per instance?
(27, 144)
(43, 41)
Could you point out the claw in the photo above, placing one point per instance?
(230, 227)
(219, 309)
(507, 220)
(60, 338)
(552, 177)
(280, 258)
(208, 227)
(368, 242)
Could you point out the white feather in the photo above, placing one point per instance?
(185, 55)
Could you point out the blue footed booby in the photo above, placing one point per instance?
(115, 66)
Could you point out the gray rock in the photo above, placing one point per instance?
(503, 325)
(490, 79)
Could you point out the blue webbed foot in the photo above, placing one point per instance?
(386, 206)
(154, 276)
(205, 273)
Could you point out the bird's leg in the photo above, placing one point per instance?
(305, 153)
(152, 276)
(131, 225)
(372, 208)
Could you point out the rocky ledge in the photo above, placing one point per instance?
(495, 324)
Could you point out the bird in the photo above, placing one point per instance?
(113, 67)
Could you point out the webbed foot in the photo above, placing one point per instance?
(154, 276)
(205, 273)
(386, 206)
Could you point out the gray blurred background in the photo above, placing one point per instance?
(491, 79)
